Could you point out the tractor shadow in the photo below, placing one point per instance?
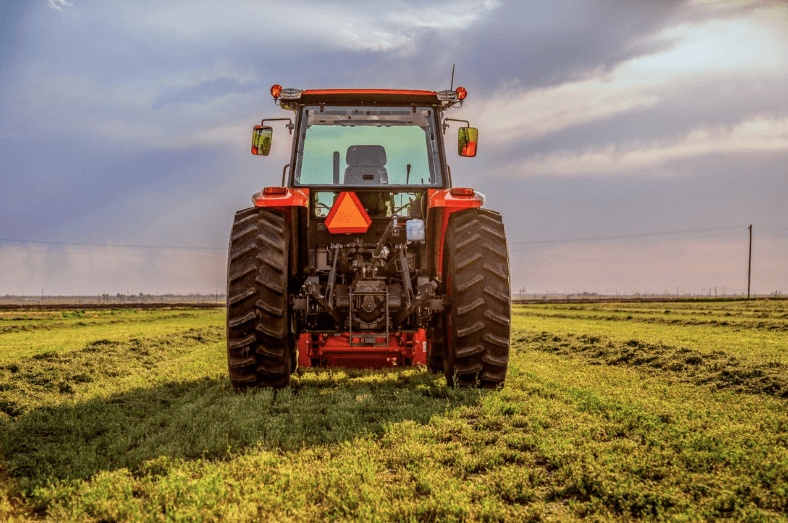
(207, 419)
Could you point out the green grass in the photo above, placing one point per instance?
(30, 333)
(736, 331)
(601, 419)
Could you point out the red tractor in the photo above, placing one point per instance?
(366, 256)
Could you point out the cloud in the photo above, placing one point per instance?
(59, 4)
(448, 16)
(706, 53)
(138, 113)
(519, 115)
(204, 92)
(758, 134)
(368, 26)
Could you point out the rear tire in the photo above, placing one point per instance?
(477, 348)
(259, 345)
(436, 333)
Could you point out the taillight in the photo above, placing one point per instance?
(276, 90)
(462, 192)
(274, 191)
(462, 92)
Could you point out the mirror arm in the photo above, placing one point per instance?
(289, 126)
(446, 126)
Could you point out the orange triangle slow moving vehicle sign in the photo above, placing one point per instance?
(347, 215)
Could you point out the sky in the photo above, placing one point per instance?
(628, 145)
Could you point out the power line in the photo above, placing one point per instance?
(162, 247)
(631, 242)
(524, 243)
(183, 255)
(624, 236)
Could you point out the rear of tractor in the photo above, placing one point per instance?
(366, 256)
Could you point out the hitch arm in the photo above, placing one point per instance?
(332, 278)
(312, 289)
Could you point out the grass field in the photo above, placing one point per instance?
(611, 412)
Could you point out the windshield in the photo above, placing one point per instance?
(363, 146)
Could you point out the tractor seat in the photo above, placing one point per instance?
(366, 165)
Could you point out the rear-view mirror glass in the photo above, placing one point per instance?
(467, 140)
(261, 140)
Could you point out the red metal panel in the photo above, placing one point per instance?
(449, 203)
(303, 350)
(291, 198)
(420, 347)
(401, 349)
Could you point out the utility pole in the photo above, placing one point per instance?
(749, 264)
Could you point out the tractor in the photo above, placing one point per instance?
(365, 256)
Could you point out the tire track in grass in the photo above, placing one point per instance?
(716, 369)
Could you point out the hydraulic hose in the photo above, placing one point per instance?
(385, 238)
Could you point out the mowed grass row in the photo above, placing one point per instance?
(590, 426)
(27, 333)
(735, 332)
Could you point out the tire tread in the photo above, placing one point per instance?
(477, 260)
(259, 351)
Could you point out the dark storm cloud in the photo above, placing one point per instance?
(538, 44)
(706, 192)
(63, 191)
(544, 44)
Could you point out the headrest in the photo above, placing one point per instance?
(366, 155)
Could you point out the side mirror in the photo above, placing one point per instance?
(467, 138)
(261, 140)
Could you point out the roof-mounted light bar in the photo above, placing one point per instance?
(287, 93)
(449, 97)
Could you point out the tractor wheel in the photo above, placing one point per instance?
(436, 333)
(259, 345)
(477, 349)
